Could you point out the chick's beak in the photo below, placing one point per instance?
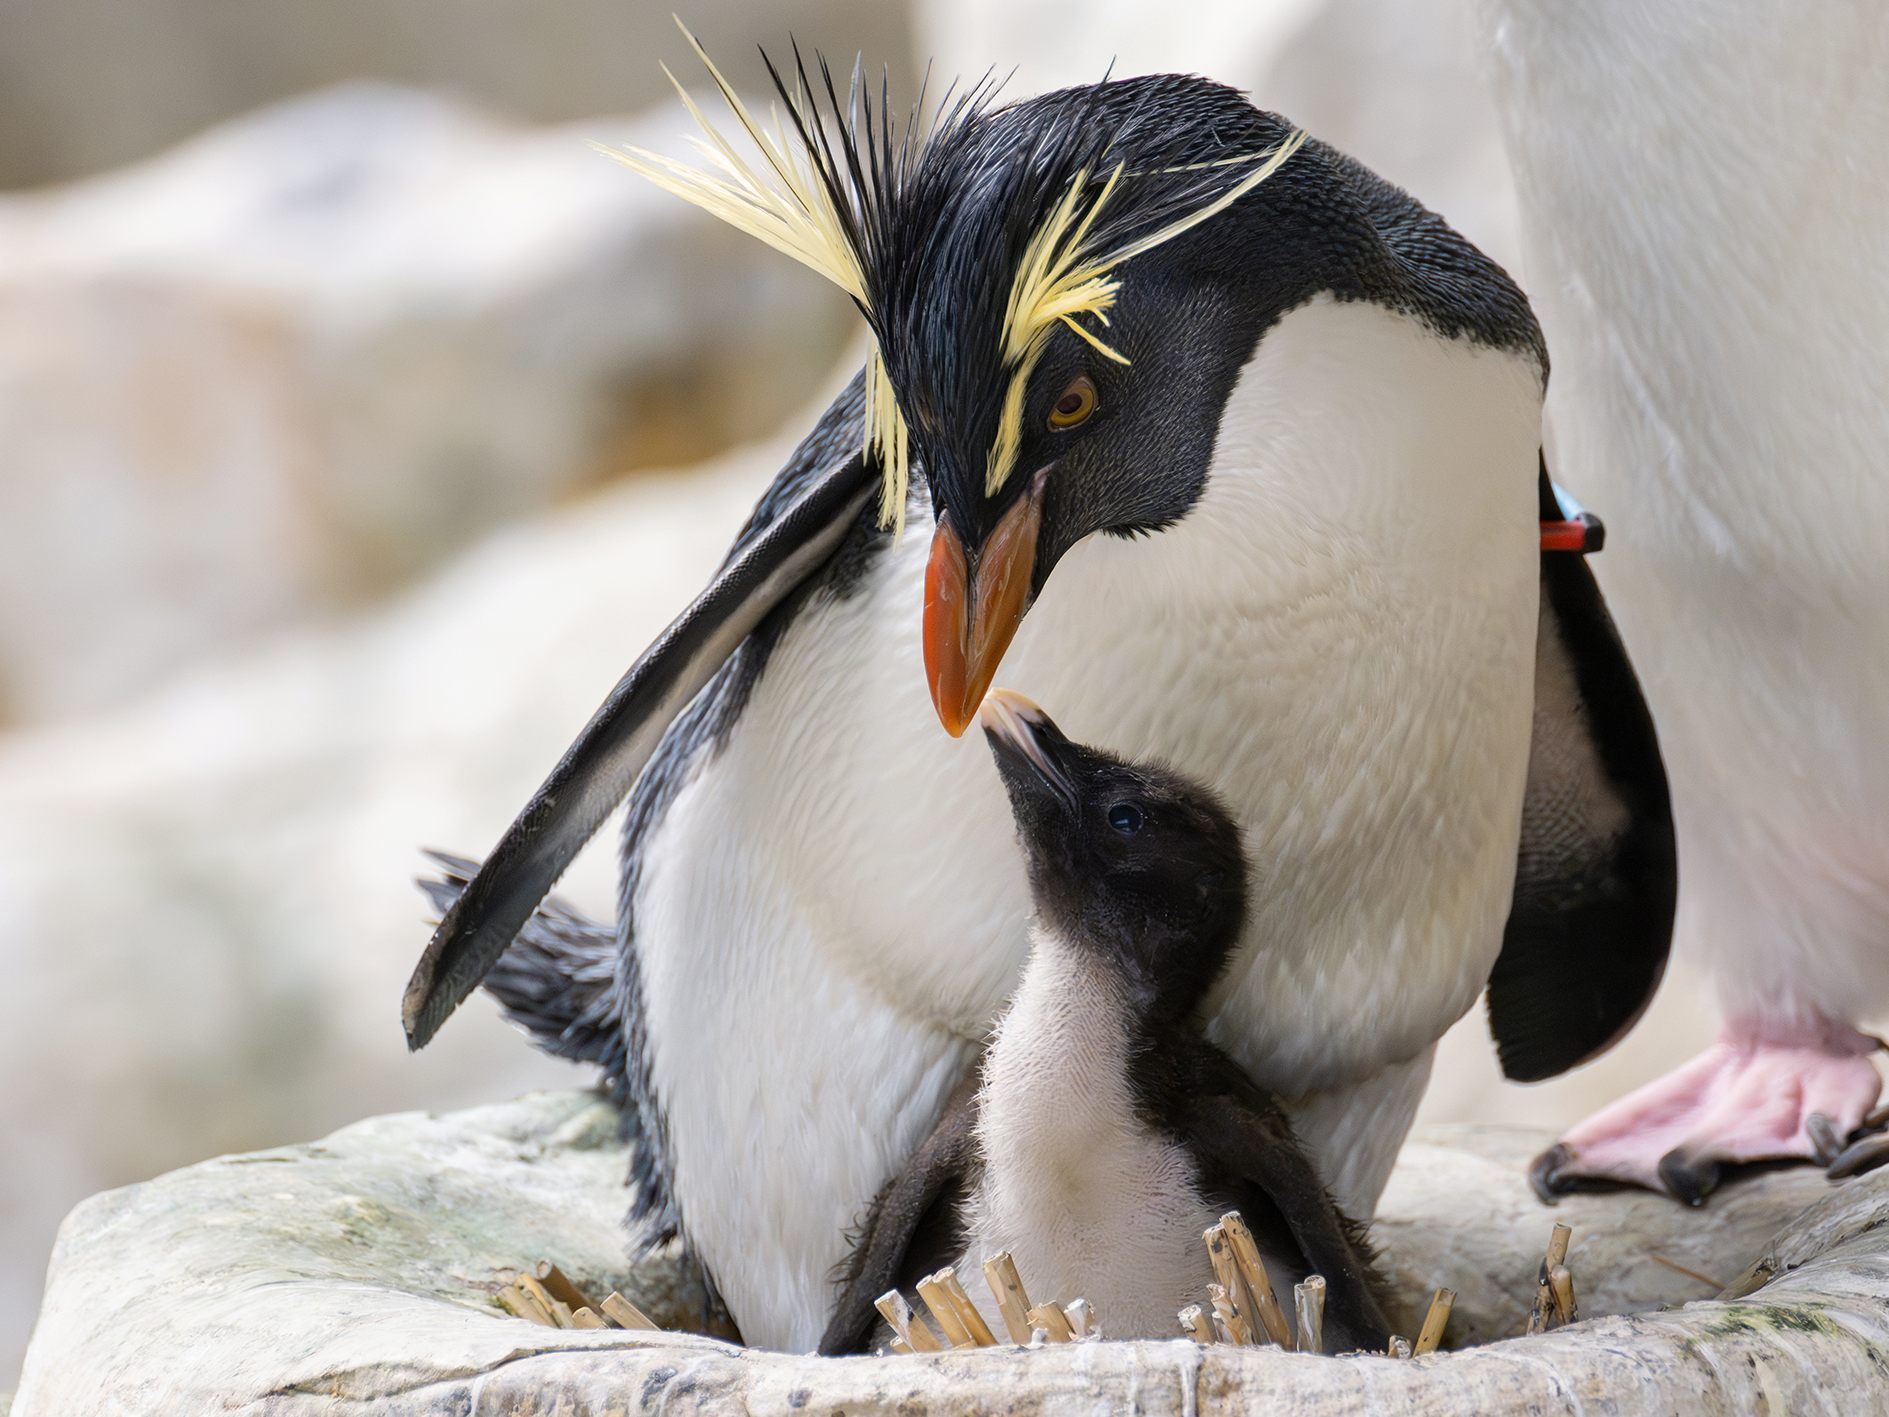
(972, 610)
(1029, 747)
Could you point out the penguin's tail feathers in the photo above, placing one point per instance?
(557, 980)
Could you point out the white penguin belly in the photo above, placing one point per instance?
(1091, 1202)
(1339, 638)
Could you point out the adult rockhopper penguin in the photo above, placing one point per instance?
(1106, 1133)
(1230, 450)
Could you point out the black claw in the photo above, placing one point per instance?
(1866, 1153)
(1824, 1141)
(1546, 1173)
(1690, 1179)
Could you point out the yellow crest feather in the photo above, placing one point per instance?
(1058, 280)
(784, 203)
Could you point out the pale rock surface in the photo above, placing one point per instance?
(282, 368)
(355, 1275)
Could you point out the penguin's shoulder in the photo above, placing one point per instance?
(1425, 268)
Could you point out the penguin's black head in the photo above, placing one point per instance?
(1135, 862)
(1105, 421)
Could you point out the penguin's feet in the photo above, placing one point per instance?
(1763, 1092)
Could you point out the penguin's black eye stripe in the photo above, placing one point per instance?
(1125, 817)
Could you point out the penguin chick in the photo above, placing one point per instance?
(1107, 1132)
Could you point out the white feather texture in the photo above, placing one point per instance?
(1091, 1203)
(1339, 637)
(1705, 199)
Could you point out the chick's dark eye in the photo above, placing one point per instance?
(1125, 817)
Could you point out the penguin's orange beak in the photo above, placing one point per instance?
(972, 611)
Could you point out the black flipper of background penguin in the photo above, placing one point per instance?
(801, 521)
(1597, 876)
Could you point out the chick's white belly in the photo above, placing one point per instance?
(1090, 1199)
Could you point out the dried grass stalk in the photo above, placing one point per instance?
(910, 1328)
(1226, 1318)
(1435, 1321)
(944, 1310)
(1561, 1284)
(1054, 1323)
(1544, 1294)
(1232, 1303)
(1013, 1300)
(520, 1304)
(624, 1314)
(1081, 1316)
(559, 1287)
(1261, 1305)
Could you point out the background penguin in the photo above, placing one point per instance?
(1108, 1133)
(1225, 432)
(1704, 199)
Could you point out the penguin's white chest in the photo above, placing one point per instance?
(1339, 638)
(1090, 1200)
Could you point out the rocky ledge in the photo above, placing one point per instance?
(356, 1275)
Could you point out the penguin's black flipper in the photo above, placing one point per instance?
(1246, 1150)
(1597, 877)
(812, 505)
(914, 1226)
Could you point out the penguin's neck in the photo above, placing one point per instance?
(1071, 1018)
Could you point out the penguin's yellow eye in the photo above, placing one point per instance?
(1076, 404)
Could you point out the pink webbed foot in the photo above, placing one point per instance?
(1763, 1092)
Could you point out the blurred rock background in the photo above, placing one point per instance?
(359, 426)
